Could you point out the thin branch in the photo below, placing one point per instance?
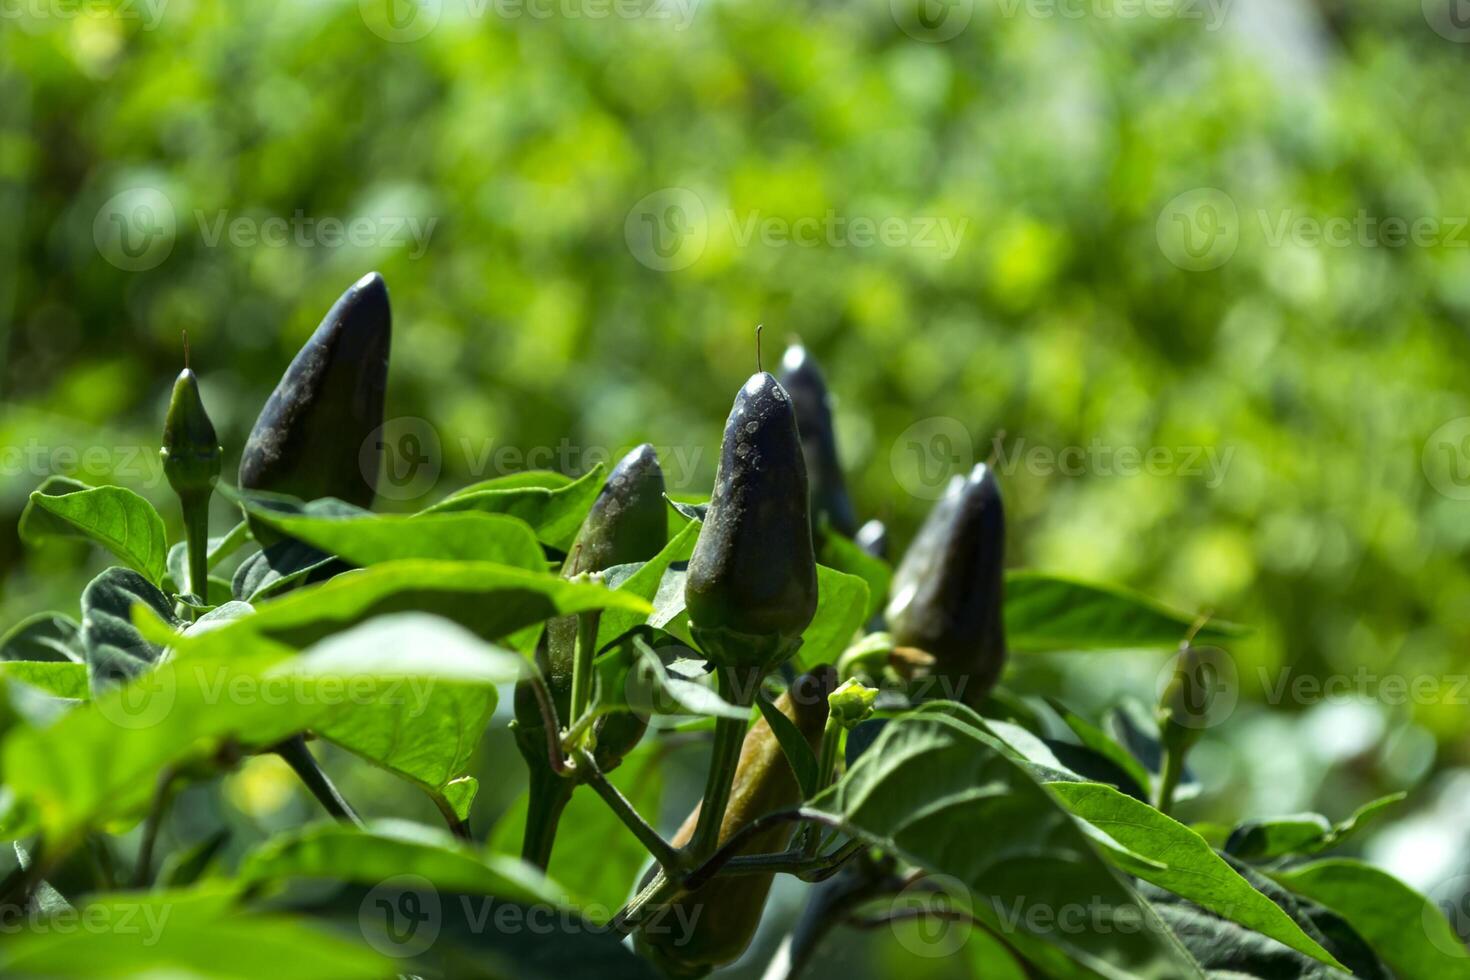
(162, 794)
(909, 915)
(299, 758)
(550, 724)
(731, 848)
(459, 828)
(667, 856)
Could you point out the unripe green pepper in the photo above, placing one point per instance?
(803, 380)
(192, 455)
(628, 522)
(723, 914)
(751, 588)
(948, 592)
(1188, 699)
(192, 459)
(308, 441)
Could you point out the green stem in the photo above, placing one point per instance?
(826, 766)
(99, 855)
(663, 852)
(196, 534)
(582, 665)
(550, 794)
(299, 758)
(1169, 779)
(162, 793)
(457, 827)
(729, 737)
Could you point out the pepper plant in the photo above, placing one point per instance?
(855, 725)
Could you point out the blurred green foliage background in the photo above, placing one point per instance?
(537, 148)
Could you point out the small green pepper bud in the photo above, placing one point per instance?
(852, 703)
(1188, 699)
(752, 583)
(308, 441)
(809, 398)
(192, 455)
(948, 591)
(729, 909)
(192, 458)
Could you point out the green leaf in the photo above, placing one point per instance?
(644, 581)
(224, 547)
(423, 729)
(544, 479)
(936, 793)
(117, 519)
(372, 539)
(596, 857)
(1049, 612)
(632, 677)
(794, 746)
(554, 513)
(184, 934)
(842, 609)
(387, 849)
(1228, 951)
(100, 761)
(280, 567)
(115, 649)
(1363, 817)
(841, 554)
(490, 600)
(45, 636)
(1098, 741)
(1406, 929)
(1191, 870)
(989, 957)
(59, 678)
(1306, 833)
(1258, 840)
